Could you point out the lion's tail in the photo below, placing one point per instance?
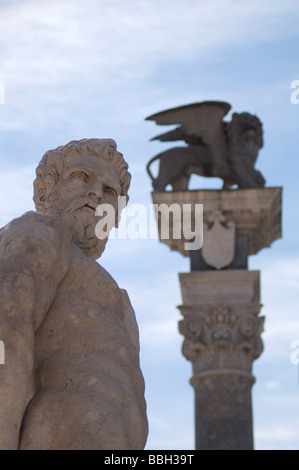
(148, 166)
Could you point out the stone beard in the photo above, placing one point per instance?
(72, 378)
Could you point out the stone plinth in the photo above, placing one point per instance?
(255, 212)
(222, 331)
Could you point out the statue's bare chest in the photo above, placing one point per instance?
(86, 311)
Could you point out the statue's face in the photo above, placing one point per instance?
(87, 182)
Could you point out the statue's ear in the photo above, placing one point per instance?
(43, 187)
(39, 195)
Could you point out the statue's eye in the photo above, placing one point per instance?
(80, 176)
(109, 191)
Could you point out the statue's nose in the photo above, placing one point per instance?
(96, 191)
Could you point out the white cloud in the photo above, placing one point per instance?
(90, 63)
(55, 42)
(272, 385)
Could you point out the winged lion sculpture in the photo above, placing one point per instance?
(216, 148)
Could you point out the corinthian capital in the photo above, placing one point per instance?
(221, 332)
(218, 338)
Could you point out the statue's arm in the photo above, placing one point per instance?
(34, 258)
(130, 319)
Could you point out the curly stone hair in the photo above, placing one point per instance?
(55, 161)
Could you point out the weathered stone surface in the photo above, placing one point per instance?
(219, 234)
(222, 329)
(223, 412)
(71, 378)
(255, 212)
(240, 287)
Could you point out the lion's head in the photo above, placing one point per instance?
(245, 138)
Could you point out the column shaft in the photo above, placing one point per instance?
(222, 339)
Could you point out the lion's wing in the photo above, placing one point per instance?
(202, 121)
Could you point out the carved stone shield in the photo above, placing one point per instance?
(218, 249)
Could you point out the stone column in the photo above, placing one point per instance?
(221, 303)
(222, 331)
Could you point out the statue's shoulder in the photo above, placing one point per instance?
(35, 229)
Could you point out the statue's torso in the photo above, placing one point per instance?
(88, 387)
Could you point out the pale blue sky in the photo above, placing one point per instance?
(96, 68)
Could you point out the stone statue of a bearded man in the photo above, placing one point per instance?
(71, 378)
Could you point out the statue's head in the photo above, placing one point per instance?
(74, 179)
